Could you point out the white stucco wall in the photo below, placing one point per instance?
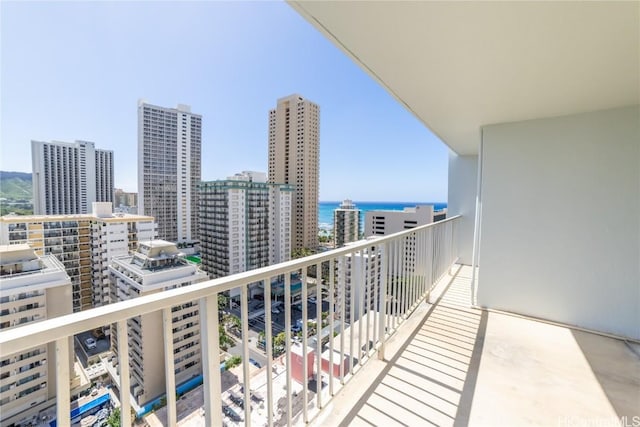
(560, 223)
(463, 178)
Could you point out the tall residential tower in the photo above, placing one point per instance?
(245, 223)
(169, 144)
(294, 158)
(68, 177)
(346, 223)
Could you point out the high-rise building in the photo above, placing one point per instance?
(83, 243)
(294, 158)
(346, 223)
(169, 169)
(68, 177)
(32, 289)
(245, 224)
(157, 266)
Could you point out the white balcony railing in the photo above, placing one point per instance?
(392, 275)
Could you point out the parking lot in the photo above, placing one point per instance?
(257, 315)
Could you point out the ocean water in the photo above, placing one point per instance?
(325, 210)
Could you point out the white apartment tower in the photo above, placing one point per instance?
(84, 243)
(346, 223)
(169, 169)
(361, 274)
(245, 224)
(155, 267)
(294, 158)
(32, 289)
(68, 177)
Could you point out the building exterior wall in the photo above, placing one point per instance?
(360, 273)
(244, 224)
(384, 222)
(40, 291)
(68, 177)
(463, 188)
(81, 242)
(131, 279)
(280, 222)
(346, 223)
(294, 158)
(578, 264)
(169, 169)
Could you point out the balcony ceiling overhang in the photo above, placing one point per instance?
(460, 65)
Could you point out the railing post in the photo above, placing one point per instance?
(123, 365)
(246, 374)
(169, 368)
(63, 410)
(382, 304)
(210, 346)
(269, 349)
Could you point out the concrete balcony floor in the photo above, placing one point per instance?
(455, 365)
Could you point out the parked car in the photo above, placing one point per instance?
(255, 363)
(231, 413)
(237, 400)
(312, 299)
(90, 343)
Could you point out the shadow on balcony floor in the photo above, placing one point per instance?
(464, 366)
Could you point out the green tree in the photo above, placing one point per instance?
(233, 361)
(223, 303)
(225, 340)
(301, 253)
(114, 418)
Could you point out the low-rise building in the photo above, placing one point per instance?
(84, 243)
(32, 289)
(157, 266)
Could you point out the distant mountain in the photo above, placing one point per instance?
(16, 186)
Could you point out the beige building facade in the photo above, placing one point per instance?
(83, 243)
(294, 158)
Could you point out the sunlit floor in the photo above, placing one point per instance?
(463, 366)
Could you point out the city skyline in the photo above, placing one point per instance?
(235, 60)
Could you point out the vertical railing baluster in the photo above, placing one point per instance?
(210, 346)
(246, 374)
(63, 392)
(287, 333)
(382, 302)
(305, 367)
(332, 309)
(368, 291)
(343, 313)
(352, 302)
(319, 335)
(269, 348)
(376, 278)
(123, 365)
(362, 286)
(169, 368)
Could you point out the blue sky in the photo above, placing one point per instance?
(75, 70)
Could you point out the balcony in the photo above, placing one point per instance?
(456, 365)
(423, 355)
(361, 335)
